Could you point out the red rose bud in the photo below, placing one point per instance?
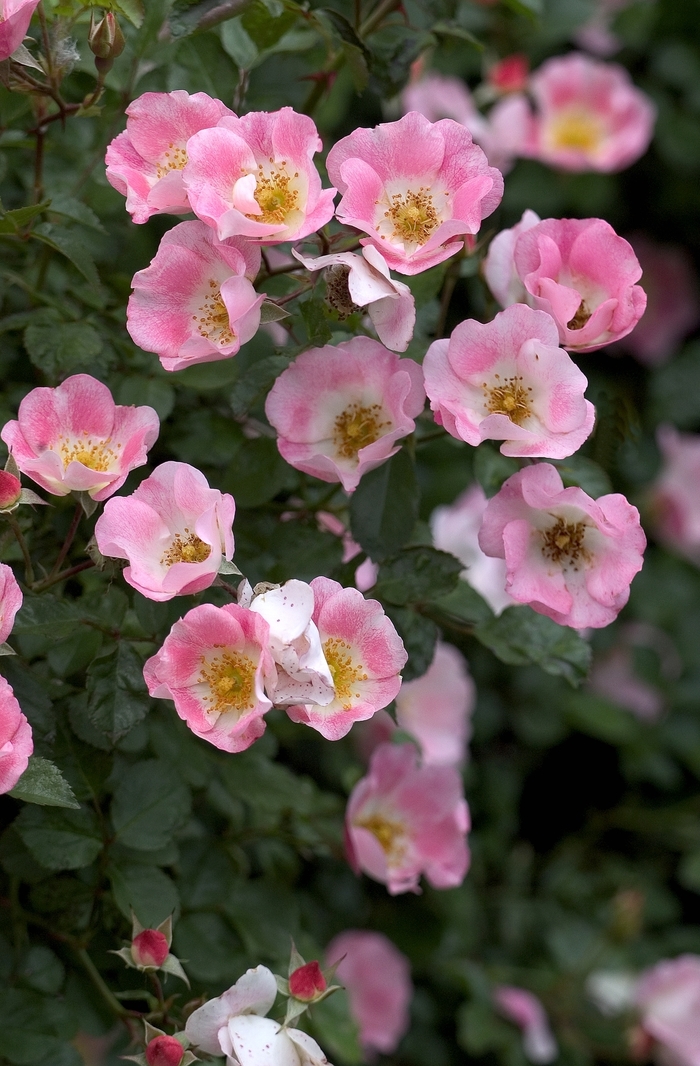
(150, 949)
(164, 1051)
(106, 40)
(307, 982)
(509, 75)
(10, 490)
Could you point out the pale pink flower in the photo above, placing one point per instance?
(509, 380)
(264, 1042)
(15, 16)
(10, 601)
(456, 530)
(436, 708)
(377, 978)
(174, 530)
(415, 187)
(355, 281)
(525, 1009)
(16, 743)
(214, 664)
(255, 176)
(364, 654)
(499, 266)
(366, 736)
(674, 496)
(404, 819)
(673, 301)
(339, 411)
(583, 274)
(145, 162)
(668, 996)
(74, 438)
(254, 993)
(570, 557)
(588, 115)
(195, 303)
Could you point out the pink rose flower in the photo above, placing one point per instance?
(673, 301)
(404, 819)
(254, 176)
(364, 654)
(14, 23)
(588, 115)
(510, 74)
(570, 557)
(414, 187)
(456, 530)
(354, 282)
(509, 380)
(74, 438)
(674, 496)
(339, 411)
(582, 274)
(145, 162)
(16, 743)
(525, 1009)
(499, 266)
(196, 303)
(436, 708)
(668, 996)
(214, 665)
(10, 601)
(253, 993)
(377, 978)
(174, 531)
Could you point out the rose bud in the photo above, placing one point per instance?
(307, 982)
(149, 949)
(164, 1051)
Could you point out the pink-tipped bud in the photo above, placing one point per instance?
(106, 41)
(164, 1051)
(10, 490)
(149, 949)
(510, 75)
(307, 983)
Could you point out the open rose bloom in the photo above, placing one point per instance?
(436, 708)
(174, 530)
(213, 665)
(569, 556)
(340, 410)
(255, 176)
(415, 188)
(674, 497)
(196, 303)
(146, 161)
(525, 1009)
(74, 438)
(16, 743)
(364, 654)
(404, 819)
(668, 998)
(509, 380)
(10, 601)
(377, 977)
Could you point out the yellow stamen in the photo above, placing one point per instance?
(413, 216)
(187, 549)
(356, 428)
(580, 318)
(274, 196)
(577, 130)
(231, 680)
(174, 158)
(564, 542)
(344, 671)
(212, 321)
(389, 834)
(95, 454)
(508, 397)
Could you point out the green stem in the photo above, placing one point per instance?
(380, 12)
(100, 985)
(19, 537)
(42, 586)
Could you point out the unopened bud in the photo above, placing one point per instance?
(510, 75)
(307, 982)
(150, 949)
(106, 41)
(164, 1051)
(10, 491)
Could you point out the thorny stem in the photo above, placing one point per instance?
(19, 537)
(70, 535)
(41, 586)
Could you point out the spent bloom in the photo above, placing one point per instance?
(255, 176)
(357, 282)
(145, 162)
(525, 1009)
(377, 977)
(174, 530)
(196, 303)
(673, 300)
(674, 496)
(404, 819)
(16, 743)
(436, 708)
(15, 16)
(364, 654)
(10, 600)
(569, 556)
(74, 438)
(509, 380)
(340, 411)
(668, 997)
(415, 188)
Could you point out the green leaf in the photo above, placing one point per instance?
(254, 382)
(491, 468)
(520, 636)
(42, 782)
(133, 10)
(266, 27)
(419, 635)
(384, 507)
(76, 211)
(426, 285)
(137, 389)
(213, 951)
(258, 473)
(238, 43)
(675, 389)
(578, 470)
(313, 312)
(595, 716)
(453, 29)
(336, 1029)
(13, 221)
(36, 1029)
(42, 970)
(70, 243)
(116, 690)
(188, 17)
(47, 614)
(463, 606)
(62, 347)
(145, 890)
(532, 9)
(60, 839)
(416, 575)
(150, 804)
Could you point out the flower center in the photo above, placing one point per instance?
(174, 158)
(273, 194)
(508, 397)
(564, 542)
(580, 318)
(187, 549)
(231, 680)
(577, 130)
(413, 216)
(389, 834)
(343, 670)
(94, 454)
(356, 428)
(337, 291)
(213, 321)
